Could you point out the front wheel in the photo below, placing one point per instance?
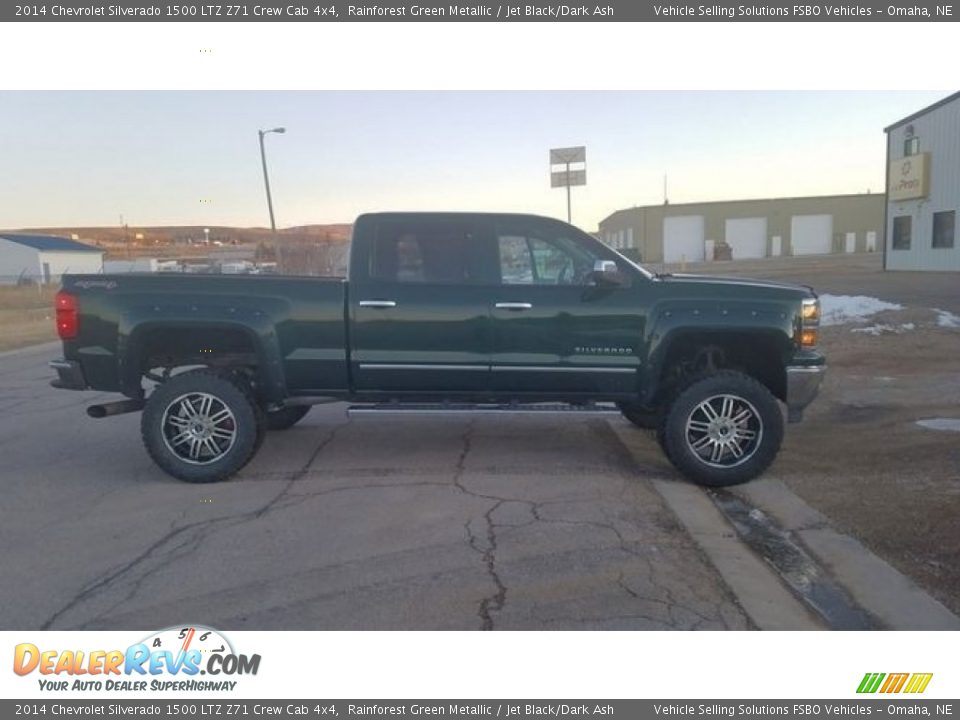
(722, 430)
(639, 416)
(200, 427)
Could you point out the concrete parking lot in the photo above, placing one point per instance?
(387, 523)
(538, 522)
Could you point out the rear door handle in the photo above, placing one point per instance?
(378, 303)
(513, 306)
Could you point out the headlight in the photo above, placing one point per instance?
(809, 331)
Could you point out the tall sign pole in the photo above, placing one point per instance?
(567, 178)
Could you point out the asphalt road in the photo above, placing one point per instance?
(387, 523)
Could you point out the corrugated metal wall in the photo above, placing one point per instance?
(938, 133)
(857, 214)
(18, 262)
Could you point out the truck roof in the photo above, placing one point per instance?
(453, 214)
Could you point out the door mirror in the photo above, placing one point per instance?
(606, 272)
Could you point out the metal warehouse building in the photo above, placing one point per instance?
(923, 189)
(44, 258)
(695, 232)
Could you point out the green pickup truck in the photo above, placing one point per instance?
(447, 312)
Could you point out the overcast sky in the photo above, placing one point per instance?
(171, 158)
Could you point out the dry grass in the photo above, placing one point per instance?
(26, 316)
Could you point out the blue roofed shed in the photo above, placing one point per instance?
(45, 258)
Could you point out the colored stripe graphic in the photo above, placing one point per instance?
(894, 683)
(870, 682)
(918, 683)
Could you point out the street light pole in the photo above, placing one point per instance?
(266, 176)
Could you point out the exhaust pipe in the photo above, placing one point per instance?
(115, 408)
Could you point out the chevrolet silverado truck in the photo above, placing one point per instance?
(447, 312)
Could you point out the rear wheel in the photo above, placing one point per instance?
(200, 427)
(723, 429)
(287, 417)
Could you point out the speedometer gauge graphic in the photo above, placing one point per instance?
(183, 638)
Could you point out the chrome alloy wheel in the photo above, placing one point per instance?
(198, 428)
(724, 431)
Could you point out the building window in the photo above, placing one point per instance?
(943, 229)
(630, 237)
(911, 146)
(901, 232)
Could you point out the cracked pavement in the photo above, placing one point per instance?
(377, 523)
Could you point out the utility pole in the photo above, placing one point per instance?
(126, 237)
(266, 175)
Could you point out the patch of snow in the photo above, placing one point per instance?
(842, 309)
(949, 424)
(947, 319)
(882, 328)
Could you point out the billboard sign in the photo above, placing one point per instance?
(563, 178)
(564, 156)
(909, 177)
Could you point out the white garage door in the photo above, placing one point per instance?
(811, 234)
(747, 237)
(683, 238)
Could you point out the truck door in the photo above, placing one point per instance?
(419, 308)
(555, 330)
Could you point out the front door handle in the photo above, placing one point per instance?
(513, 306)
(378, 303)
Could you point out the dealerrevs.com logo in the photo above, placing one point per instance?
(894, 682)
(171, 659)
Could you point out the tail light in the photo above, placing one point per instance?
(68, 315)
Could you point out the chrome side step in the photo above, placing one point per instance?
(397, 408)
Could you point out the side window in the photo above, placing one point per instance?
(516, 262)
(551, 264)
(943, 224)
(426, 252)
(531, 256)
(901, 232)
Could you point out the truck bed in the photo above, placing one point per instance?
(297, 324)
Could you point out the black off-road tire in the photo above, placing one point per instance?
(642, 418)
(286, 418)
(243, 382)
(677, 442)
(247, 426)
(661, 434)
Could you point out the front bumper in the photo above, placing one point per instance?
(69, 375)
(803, 384)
